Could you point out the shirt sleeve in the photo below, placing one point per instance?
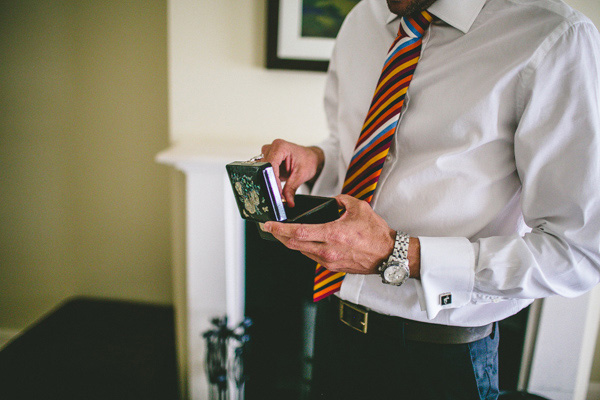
(557, 155)
(327, 183)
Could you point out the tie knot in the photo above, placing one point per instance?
(415, 25)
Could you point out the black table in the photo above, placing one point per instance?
(94, 349)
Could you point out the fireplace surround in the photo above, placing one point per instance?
(209, 263)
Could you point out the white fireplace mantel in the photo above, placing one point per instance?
(561, 333)
(213, 243)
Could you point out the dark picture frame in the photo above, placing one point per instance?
(287, 48)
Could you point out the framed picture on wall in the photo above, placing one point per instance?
(301, 33)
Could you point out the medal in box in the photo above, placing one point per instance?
(258, 198)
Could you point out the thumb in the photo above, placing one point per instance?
(345, 200)
(289, 190)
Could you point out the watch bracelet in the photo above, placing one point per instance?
(400, 251)
(401, 245)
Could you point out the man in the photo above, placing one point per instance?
(493, 171)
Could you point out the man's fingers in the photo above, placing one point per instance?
(308, 239)
(279, 156)
(275, 160)
(289, 192)
(309, 248)
(292, 164)
(314, 248)
(346, 201)
(299, 232)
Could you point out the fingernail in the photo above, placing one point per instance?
(266, 227)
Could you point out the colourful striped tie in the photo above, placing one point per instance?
(378, 130)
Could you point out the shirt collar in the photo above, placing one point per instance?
(459, 14)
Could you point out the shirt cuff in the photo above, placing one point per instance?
(447, 273)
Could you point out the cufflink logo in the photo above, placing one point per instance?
(446, 299)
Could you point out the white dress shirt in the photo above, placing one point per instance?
(495, 163)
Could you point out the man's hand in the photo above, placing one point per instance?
(358, 242)
(293, 164)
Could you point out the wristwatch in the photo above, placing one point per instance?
(395, 270)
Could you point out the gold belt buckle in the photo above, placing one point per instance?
(354, 316)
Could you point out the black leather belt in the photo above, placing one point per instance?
(365, 320)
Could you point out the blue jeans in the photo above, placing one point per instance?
(350, 365)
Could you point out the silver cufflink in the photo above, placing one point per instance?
(446, 299)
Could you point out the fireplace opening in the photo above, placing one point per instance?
(279, 302)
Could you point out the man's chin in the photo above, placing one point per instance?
(398, 6)
(408, 7)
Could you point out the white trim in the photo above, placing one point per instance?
(193, 156)
(235, 258)
(214, 248)
(564, 346)
(533, 321)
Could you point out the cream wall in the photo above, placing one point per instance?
(221, 93)
(591, 8)
(84, 210)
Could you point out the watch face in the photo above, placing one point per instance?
(394, 274)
